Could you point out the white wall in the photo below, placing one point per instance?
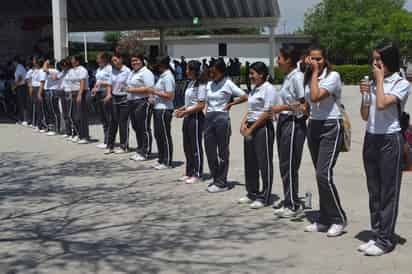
(192, 50)
(248, 50)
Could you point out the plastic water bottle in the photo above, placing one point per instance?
(366, 96)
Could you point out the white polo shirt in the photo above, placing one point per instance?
(166, 83)
(104, 75)
(20, 72)
(119, 81)
(29, 75)
(38, 76)
(260, 100)
(220, 93)
(194, 95)
(387, 121)
(141, 78)
(327, 108)
(75, 75)
(52, 84)
(292, 89)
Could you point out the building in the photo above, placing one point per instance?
(23, 21)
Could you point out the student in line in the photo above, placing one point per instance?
(193, 122)
(259, 135)
(52, 108)
(68, 103)
(220, 94)
(323, 88)
(120, 74)
(29, 101)
(62, 67)
(78, 78)
(139, 85)
(21, 91)
(383, 146)
(164, 92)
(291, 130)
(101, 93)
(37, 82)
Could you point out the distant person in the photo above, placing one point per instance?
(247, 78)
(52, 86)
(22, 92)
(220, 94)
(178, 71)
(183, 63)
(383, 146)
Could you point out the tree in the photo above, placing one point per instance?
(351, 28)
(112, 37)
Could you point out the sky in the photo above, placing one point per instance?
(292, 12)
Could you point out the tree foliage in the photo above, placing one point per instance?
(349, 29)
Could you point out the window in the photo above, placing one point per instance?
(222, 49)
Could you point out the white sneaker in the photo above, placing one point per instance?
(36, 129)
(51, 133)
(216, 189)
(257, 205)
(287, 213)
(137, 158)
(373, 250)
(75, 139)
(43, 131)
(120, 151)
(69, 138)
(244, 200)
(108, 151)
(365, 246)
(25, 124)
(192, 180)
(315, 227)
(83, 142)
(102, 146)
(335, 230)
(161, 167)
(183, 178)
(64, 136)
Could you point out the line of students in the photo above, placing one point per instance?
(311, 91)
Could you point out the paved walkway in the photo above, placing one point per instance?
(67, 208)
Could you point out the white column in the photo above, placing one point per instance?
(271, 50)
(162, 46)
(60, 29)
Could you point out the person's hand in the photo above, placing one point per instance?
(180, 114)
(228, 107)
(94, 91)
(302, 108)
(315, 67)
(78, 99)
(107, 99)
(378, 72)
(39, 97)
(308, 60)
(365, 87)
(247, 132)
(243, 129)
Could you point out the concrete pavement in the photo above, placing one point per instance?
(67, 208)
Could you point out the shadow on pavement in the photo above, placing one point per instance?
(71, 215)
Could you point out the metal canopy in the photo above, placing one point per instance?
(102, 15)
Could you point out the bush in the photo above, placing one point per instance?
(350, 74)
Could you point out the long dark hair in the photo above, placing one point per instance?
(292, 53)
(201, 76)
(220, 66)
(390, 56)
(261, 69)
(309, 71)
(164, 61)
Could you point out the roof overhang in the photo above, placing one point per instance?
(103, 15)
